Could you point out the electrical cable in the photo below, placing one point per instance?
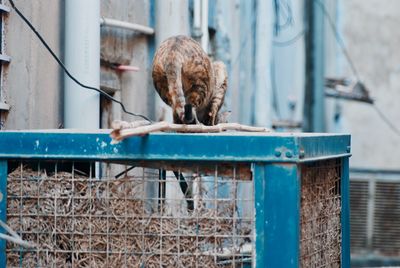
(290, 41)
(387, 120)
(338, 38)
(352, 66)
(61, 64)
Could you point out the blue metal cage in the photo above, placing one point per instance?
(297, 185)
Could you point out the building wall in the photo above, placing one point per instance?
(33, 81)
(371, 35)
(126, 47)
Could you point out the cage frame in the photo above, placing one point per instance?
(274, 157)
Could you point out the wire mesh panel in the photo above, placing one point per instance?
(191, 216)
(321, 214)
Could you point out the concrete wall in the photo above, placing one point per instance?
(371, 35)
(32, 81)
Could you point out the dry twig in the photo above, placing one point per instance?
(122, 130)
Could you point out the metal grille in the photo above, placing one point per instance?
(375, 213)
(386, 228)
(359, 193)
(320, 214)
(140, 218)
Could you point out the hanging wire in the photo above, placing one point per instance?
(67, 72)
(290, 41)
(387, 120)
(339, 40)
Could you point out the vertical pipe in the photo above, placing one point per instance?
(197, 20)
(314, 108)
(262, 97)
(204, 25)
(82, 58)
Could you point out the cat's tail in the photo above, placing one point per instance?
(175, 90)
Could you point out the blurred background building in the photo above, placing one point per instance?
(295, 65)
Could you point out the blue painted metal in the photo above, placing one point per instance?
(275, 159)
(314, 108)
(3, 210)
(345, 216)
(164, 146)
(277, 202)
(260, 212)
(318, 72)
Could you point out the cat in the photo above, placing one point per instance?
(188, 81)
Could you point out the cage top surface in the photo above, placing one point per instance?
(227, 146)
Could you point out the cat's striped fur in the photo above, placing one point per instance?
(183, 74)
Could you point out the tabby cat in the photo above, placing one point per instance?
(187, 80)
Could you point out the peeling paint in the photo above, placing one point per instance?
(103, 144)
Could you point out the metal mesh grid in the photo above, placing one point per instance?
(359, 194)
(320, 214)
(142, 218)
(386, 226)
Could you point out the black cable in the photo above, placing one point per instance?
(65, 68)
(290, 41)
(125, 172)
(386, 120)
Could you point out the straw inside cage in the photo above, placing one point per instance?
(140, 218)
(320, 214)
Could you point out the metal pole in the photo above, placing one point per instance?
(314, 108)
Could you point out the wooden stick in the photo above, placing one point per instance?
(121, 132)
(14, 237)
(119, 124)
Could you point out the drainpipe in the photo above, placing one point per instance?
(82, 58)
(314, 106)
(197, 20)
(204, 25)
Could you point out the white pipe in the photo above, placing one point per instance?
(126, 25)
(204, 25)
(197, 19)
(82, 58)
